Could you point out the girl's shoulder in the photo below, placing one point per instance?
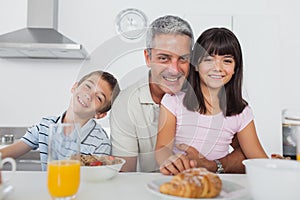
(247, 113)
(178, 96)
(247, 110)
(173, 101)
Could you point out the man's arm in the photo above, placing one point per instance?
(232, 163)
(122, 145)
(123, 134)
(130, 164)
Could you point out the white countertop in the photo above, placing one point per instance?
(33, 185)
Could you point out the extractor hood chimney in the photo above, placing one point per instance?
(40, 39)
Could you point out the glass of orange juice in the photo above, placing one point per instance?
(64, 161)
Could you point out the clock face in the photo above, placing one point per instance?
(131, 23)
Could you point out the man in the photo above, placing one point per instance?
(134, 115)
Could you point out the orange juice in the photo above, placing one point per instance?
(63, 177)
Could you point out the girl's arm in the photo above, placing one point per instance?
(249, 142)
(165, 136)
(168, 162)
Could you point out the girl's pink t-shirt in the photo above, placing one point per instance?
(211, 135)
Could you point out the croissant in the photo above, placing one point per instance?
(193, 183)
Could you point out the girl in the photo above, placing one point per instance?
(208, 113)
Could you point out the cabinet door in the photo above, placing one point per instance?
(259, 38)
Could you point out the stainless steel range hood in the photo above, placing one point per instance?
(40, 39)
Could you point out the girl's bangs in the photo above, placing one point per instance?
(219, 46)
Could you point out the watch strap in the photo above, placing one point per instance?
(220, 168)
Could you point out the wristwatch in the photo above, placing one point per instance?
(220, 169)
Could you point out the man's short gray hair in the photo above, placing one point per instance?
(168, 25)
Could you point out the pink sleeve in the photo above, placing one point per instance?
(169, 102)
(173, 102)
(245, 118)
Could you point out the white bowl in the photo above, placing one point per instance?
(100, 173)
(273, 178)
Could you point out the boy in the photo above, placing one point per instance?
(91, 98)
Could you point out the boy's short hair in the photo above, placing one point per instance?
(110, 79)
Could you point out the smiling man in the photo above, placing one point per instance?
(134, 114)
(168, 59)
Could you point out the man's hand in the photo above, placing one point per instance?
(175, 164)
(278, 156)
(196, 158)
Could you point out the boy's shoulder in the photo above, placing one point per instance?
(50, 120)
(98, 128)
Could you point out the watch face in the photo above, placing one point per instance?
(131, 23)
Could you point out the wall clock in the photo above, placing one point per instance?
(131, 23)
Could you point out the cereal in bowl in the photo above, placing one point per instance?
(94, 160)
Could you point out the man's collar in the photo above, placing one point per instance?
(144, 88)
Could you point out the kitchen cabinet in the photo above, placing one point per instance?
(27, 162)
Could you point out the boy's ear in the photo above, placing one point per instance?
(99, 115)
(74, 87)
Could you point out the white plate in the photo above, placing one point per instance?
(230, 190)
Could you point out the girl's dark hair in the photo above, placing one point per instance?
(216, 41)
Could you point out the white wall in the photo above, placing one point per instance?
(31, 88)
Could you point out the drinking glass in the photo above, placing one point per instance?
(64, 161)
